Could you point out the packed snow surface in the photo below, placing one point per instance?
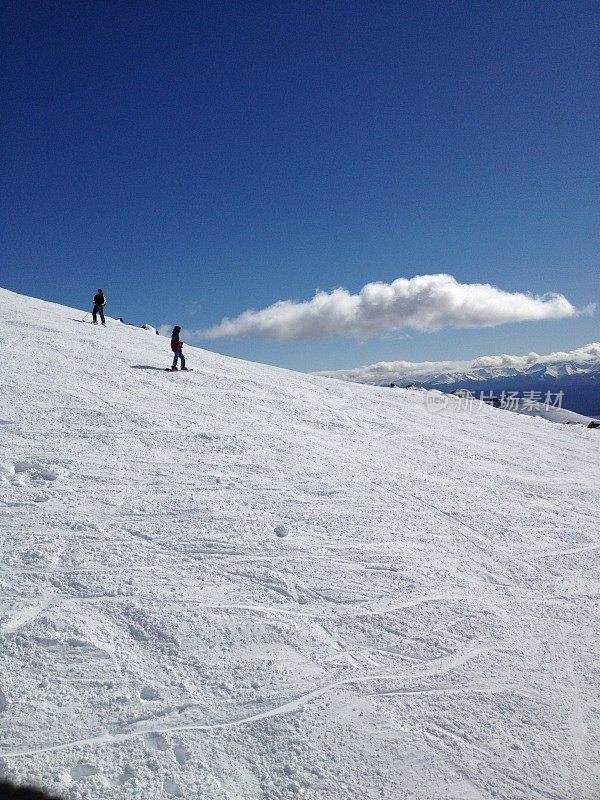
(245, 583)
(555, 414)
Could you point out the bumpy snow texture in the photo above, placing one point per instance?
(253, 583)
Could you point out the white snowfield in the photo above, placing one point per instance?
(521, 405)
(245, 583)
(553, 414)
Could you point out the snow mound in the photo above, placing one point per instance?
(428, 628)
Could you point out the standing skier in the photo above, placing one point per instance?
(176, 346)
(99, 303)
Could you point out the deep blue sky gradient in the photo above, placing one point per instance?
(198, 159)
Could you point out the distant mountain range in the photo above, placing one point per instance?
(569, 379)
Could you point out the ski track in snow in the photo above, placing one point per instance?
(284, 708)
(251, 583)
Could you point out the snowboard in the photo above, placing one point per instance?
(168, 369)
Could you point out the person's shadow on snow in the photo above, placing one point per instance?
(147, 366)
(9, 791)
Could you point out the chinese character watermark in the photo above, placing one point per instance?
(464, 400)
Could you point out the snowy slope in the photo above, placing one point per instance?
(561, 415)
(249, 583)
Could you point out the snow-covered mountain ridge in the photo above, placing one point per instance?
(244, 582)
(583, 360)
(576, 374)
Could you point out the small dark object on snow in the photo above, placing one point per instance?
(594, 424)
(281, 531)
(9, 791)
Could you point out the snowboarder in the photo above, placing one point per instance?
(99, 303)
(176, 346)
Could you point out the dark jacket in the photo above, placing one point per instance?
(99, 299)
(176, 344)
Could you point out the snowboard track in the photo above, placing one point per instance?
(295, 703)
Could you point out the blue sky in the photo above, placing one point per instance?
(199, 159)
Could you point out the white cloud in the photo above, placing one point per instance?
(425, 302)
(426, 371)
